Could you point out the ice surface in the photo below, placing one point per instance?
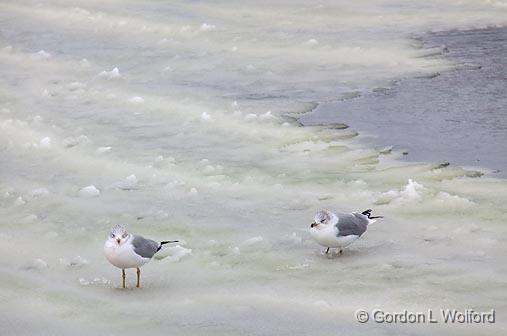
(215, 153)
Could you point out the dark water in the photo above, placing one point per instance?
(458, 116)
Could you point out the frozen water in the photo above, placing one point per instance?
(215, 156)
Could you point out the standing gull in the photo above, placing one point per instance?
(340, 230)
(125, 250)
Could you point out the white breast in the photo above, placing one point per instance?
(325, 235)
(123, 256)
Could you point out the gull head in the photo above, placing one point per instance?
(118, 235)
(323, 217)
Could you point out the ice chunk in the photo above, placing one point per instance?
(69, 142)
(40, 192)
(412, 190)
(41, 54)
(76, 86)
(175, 183)
(89, 191)
(251, 116)
(130, 182)
(45, 143)
(76, 262)
(174, 253)
(136, 100)
(293, 239)
(37, 264)
(252, 241)
(30, 218)
(72, 141)
(84, 62)
(19, 201)
(205, 117)
(115, 73)
(207, 27)
(84, 282)
(102, 150)
(266, 116)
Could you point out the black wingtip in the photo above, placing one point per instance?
(367, 213)
(168, 242)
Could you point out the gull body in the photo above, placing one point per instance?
(125, 250)
(339, 230)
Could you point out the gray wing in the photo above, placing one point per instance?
(352, 224)
(146, 248)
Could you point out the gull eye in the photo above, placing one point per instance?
(124, 235)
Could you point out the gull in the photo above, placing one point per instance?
(125, 250)
(340, 230)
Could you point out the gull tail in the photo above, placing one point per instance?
(166, 242)
(367, 213)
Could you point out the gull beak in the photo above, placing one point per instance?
(313, 225)
(118, 241)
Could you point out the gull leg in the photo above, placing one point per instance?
(123, 276)
(138, 278)
(327, 251)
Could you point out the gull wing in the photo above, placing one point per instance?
(146, 248)
(351, 224)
